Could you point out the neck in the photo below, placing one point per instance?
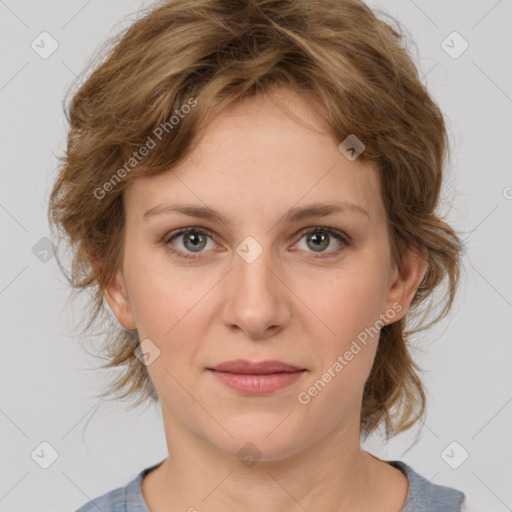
(331, 474)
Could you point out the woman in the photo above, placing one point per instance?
(252, 187)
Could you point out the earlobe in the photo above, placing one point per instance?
(117, 298)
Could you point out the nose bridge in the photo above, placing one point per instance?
(255, 300)
(253, 264)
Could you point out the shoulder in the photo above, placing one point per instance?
(112, 501)
(122, 499)
(425, 496)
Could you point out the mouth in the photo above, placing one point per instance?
(256, 378)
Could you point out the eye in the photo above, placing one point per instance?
(194, 240)
(319, 238)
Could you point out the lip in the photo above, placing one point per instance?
(256, 378)
(255, 368)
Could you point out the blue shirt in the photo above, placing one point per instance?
(423, 496)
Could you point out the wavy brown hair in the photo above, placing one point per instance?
(338, 53)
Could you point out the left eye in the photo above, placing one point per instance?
(194, 240)
(320, 239)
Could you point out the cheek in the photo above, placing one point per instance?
(350, 301)
(346, 338)
(173, 309)
(345, 344)
(154, 305)
(160, 295)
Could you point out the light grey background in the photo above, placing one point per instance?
(46, 387)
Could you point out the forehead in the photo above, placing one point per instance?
(266, 153)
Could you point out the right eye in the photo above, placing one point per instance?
(193, 241)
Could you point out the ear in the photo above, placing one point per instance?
(117, 297)
(404, 280)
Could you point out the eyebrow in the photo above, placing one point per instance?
(295, 214)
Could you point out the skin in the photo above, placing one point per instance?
(292, 303)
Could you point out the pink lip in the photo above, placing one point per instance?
(256, 378)
(256, 368)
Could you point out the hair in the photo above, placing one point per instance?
(209, 54)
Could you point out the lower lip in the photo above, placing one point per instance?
(258, 384)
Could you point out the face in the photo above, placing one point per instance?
(254, 285)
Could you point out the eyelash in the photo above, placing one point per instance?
(338, 235)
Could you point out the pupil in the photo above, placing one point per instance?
(323, 239)
(195, 239)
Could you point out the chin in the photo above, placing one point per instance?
(255, 439)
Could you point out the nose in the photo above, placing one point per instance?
(256, 300)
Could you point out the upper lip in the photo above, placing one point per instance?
(260, 367)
